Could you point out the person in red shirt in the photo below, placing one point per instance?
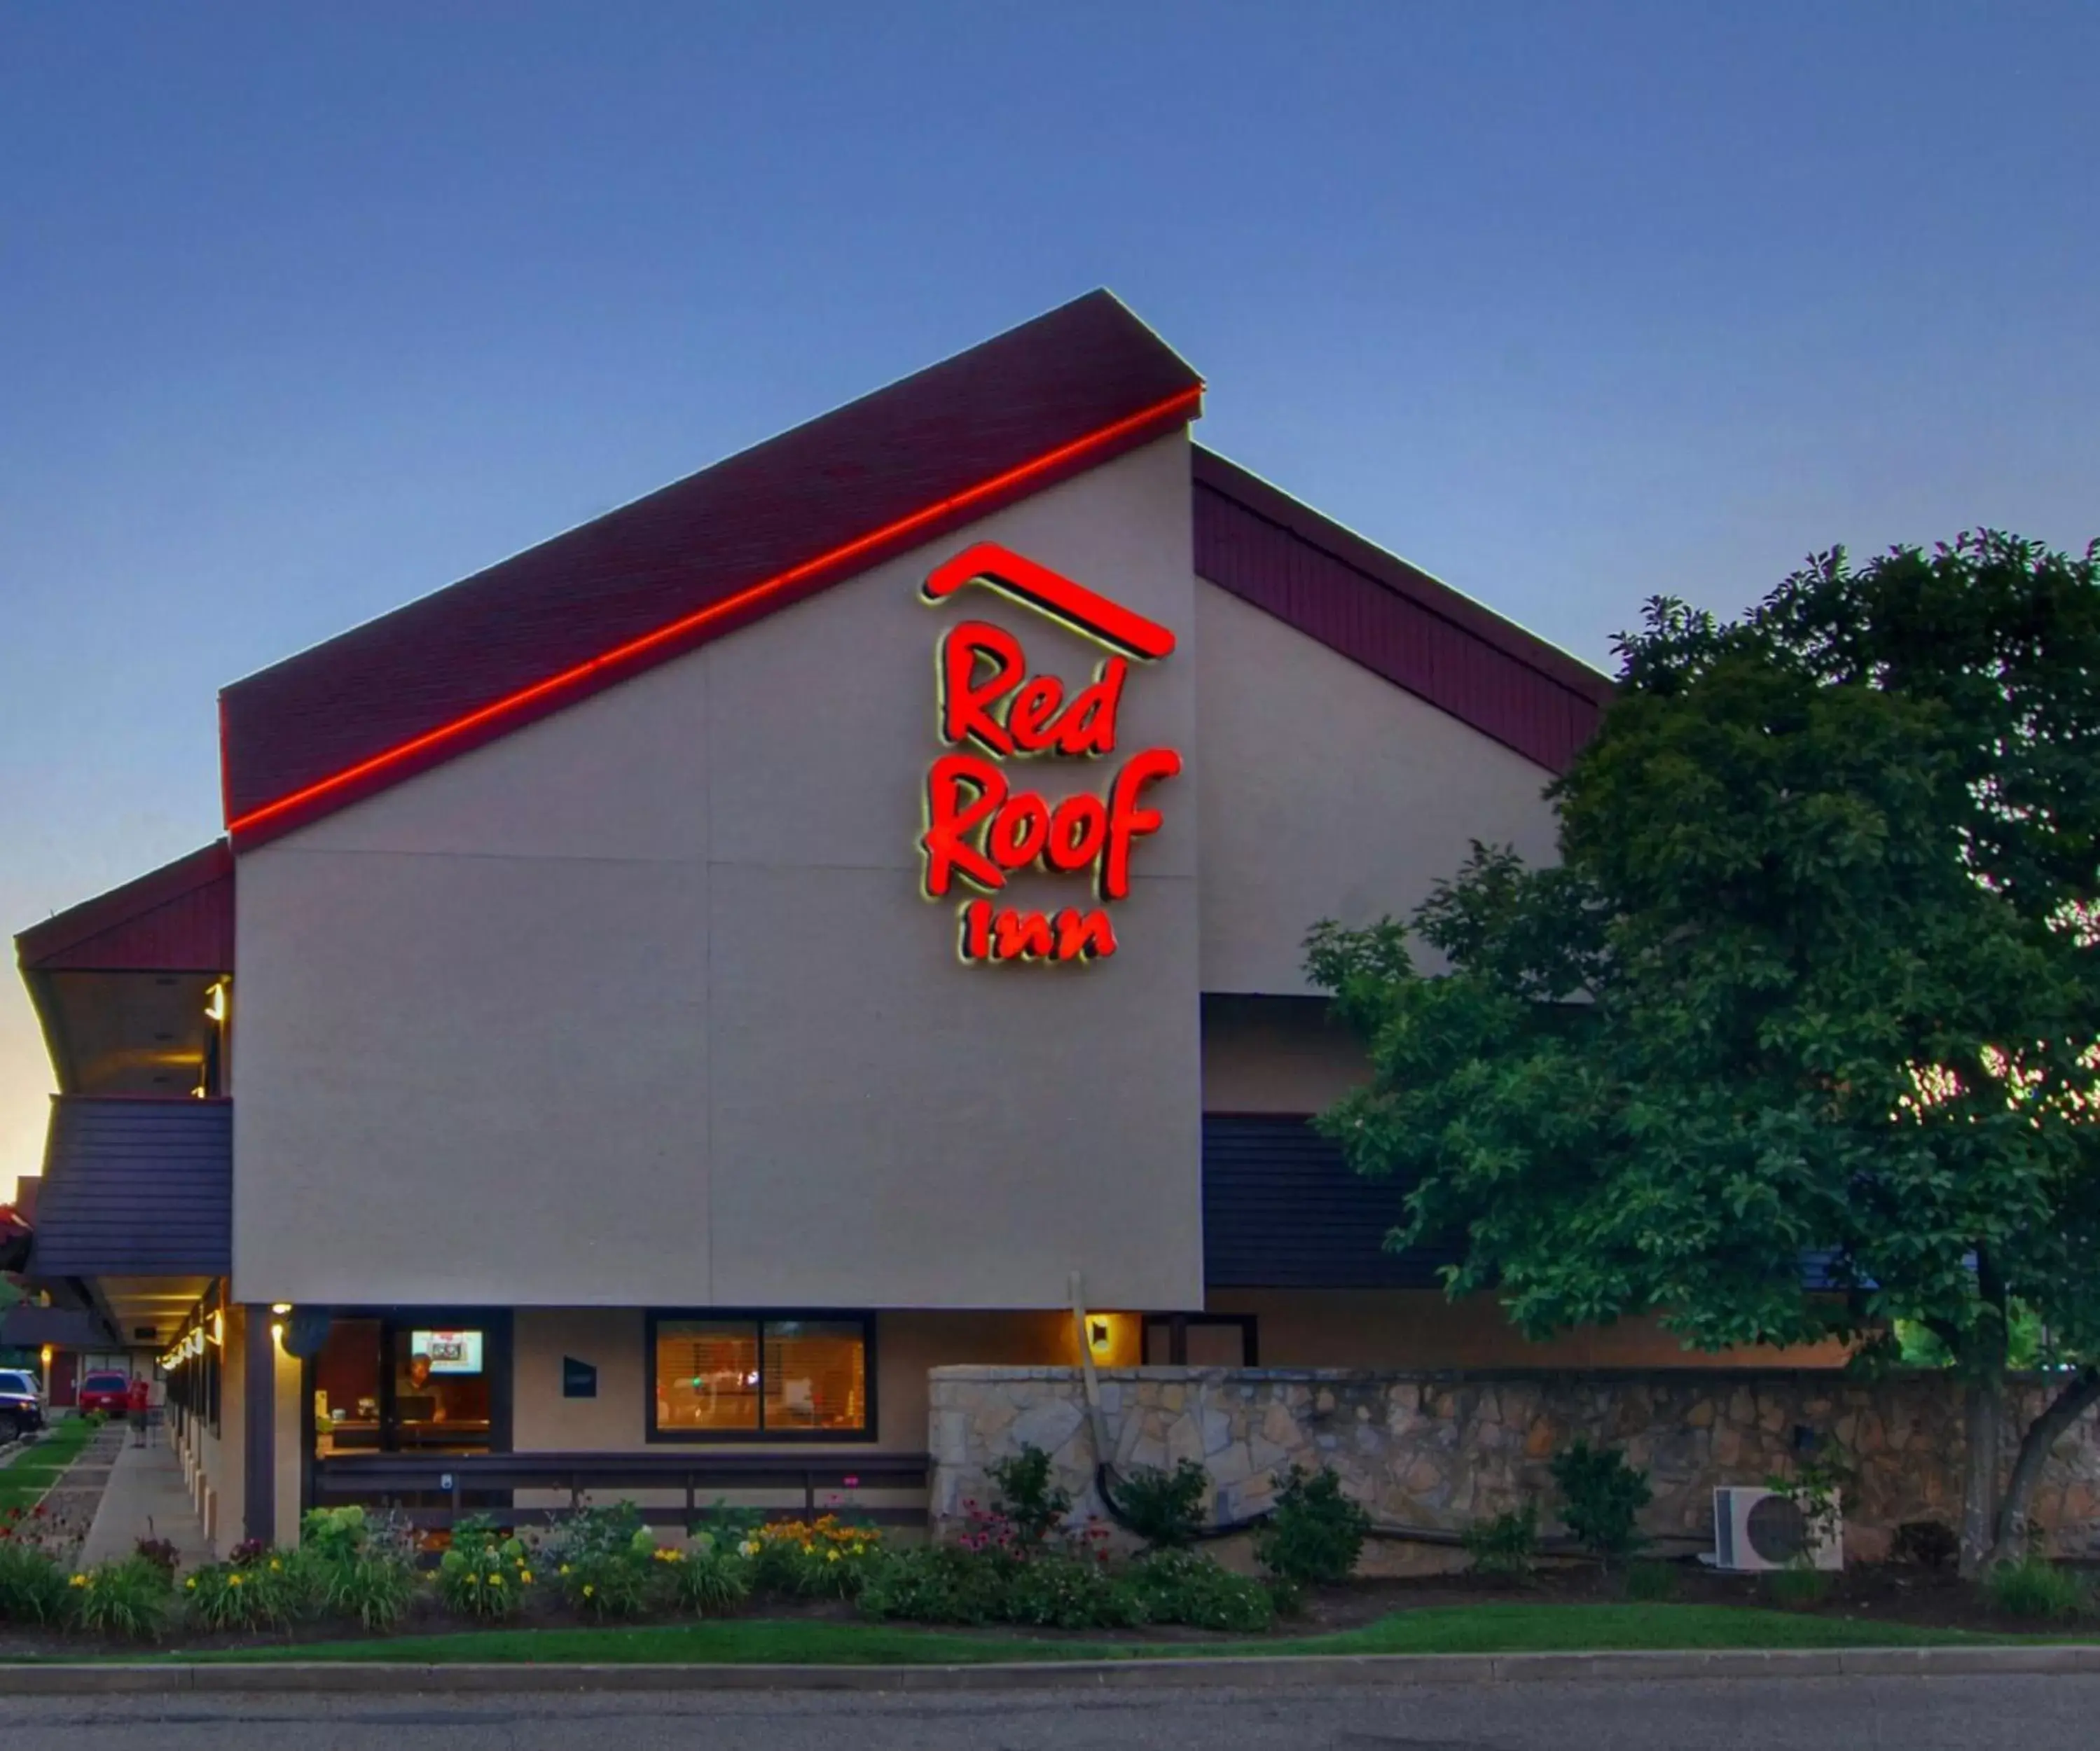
(140, 1400)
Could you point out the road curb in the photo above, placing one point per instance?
(1265, 1672)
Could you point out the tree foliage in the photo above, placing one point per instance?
(1817, 977)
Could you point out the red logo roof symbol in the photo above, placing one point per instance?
(1051, 593)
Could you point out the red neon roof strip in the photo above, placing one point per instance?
(1182, 399)
(1050, 593)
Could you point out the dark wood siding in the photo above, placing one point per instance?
(1397, 622)
(136, 1189)
(1282, 1210)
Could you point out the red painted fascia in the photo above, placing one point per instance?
(502, 716)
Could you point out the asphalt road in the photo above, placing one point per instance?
(2032, 1713)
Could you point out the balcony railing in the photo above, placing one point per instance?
(430, 1490)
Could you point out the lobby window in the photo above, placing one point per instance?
(745, 1377)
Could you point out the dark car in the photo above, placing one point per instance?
(21, 1408)
(109, 1393)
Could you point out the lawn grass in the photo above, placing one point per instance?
(24, 1478)
(1452, 1630)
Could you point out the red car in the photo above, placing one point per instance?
(103, 1392)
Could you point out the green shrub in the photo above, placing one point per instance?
(605, 1584)
(265, 1594)
(333, 1533)
(2036, 1588)
(940, 1583)
(128, 1598)
(1180, 1586)
(1796, 1586)
(484, 1574)
(1602, 1499)
(377, 1589)
(1504, 1545)
(1058, 1591)
(32, 1583)
(1316, 1533)
(598, 1532)
(1164, 1508)
(1930, 1544)
(1651, 1583)
(1028, 1497)
(709, 1582)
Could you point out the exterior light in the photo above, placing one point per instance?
(276, 1331)
(46, 1354)
(280, 1308)
(214, 1002)
(1100, 1335)
(218, 1327)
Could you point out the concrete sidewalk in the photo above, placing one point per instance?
(146, 1498)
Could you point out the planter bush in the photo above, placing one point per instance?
(825, 1557)
(1316, 1533)
(265, 1594)
(1504, 1547)
(1163, 1508)
(2035, 1588)
(1181, 1586)
(32, 1583)
(484, 1574)
(1603, 1497)
(127, 1599)
(708, 1582)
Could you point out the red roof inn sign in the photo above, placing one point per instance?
(982, 826)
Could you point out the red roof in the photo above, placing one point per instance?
(176, 918)
(695, 561)
(1377, 609)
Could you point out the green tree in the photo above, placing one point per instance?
(1817, 975)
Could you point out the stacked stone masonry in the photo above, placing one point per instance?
(1440, 1451)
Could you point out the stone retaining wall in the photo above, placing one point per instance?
(1441, 1450)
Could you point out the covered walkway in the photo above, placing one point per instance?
(146, 1498)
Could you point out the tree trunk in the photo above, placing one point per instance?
(1984, 1405)
(2079, 1394)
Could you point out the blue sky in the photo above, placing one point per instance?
(305, 311)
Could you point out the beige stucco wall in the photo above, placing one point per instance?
(1277, 1054)
(641, 1004)
(1328, 792)
(1377, 1328)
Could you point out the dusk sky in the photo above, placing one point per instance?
(306, 311)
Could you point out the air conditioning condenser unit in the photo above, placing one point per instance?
(1759, 1529)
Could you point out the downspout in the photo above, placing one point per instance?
(1096, 1415)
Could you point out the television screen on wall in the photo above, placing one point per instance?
(451, 1352)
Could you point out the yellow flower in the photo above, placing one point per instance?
(525, 1575)
(474, 1580)
(830, 1556)
(191, 1584)
(860, 1550)
(233, 1581)
(274, 1564)
(565, 1568)
(80, 1580)
(495, 1580)
(588, 1589)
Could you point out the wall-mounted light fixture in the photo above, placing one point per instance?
(218, 1326)
(214, 1000)
(280, 1308)
(1100, 1335)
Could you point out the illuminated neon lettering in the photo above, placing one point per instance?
(979, 831)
